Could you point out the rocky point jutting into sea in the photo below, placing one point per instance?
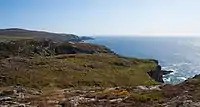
(46, 72)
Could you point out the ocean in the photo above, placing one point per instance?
(180, 54)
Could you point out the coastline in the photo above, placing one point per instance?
(46, 73)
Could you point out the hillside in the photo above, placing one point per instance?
(16, 33)
(47, 73)
(80, 63)
(46, 64)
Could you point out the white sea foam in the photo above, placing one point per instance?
(167, 79)
(181, 78)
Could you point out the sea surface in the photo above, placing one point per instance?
(180, 54)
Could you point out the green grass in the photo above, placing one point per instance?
(79, 70)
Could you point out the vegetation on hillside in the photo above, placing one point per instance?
(17, 33)
(46, 47)
(75, 70)
(45, 63)
(50, 73)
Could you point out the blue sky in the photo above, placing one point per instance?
(104, 17)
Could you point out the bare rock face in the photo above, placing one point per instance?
(157, 74)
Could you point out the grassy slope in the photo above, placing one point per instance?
(76, 70)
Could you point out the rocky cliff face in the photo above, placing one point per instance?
(157, 73)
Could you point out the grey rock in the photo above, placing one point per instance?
(157, 74)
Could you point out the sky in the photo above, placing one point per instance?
(103, 17)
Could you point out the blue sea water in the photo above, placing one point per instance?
(180, 54)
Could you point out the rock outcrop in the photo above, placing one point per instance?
(157, 73)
